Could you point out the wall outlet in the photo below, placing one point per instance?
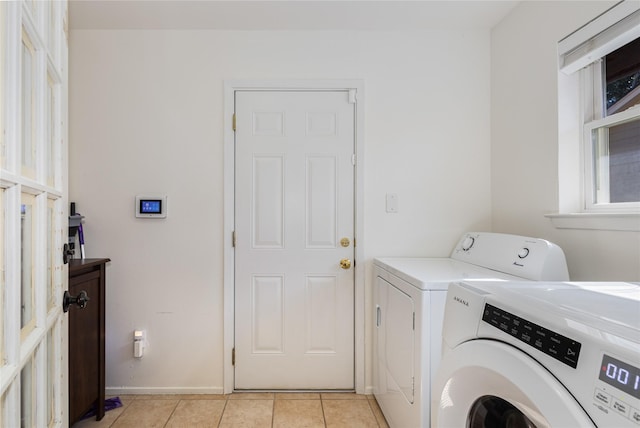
(138, 343)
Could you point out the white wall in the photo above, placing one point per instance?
(146, 114)
(524, 139)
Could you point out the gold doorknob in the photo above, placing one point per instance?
(345, 263)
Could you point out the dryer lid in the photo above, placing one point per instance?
(437, 273)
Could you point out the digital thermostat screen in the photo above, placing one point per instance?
(620, 375)
(150, 206)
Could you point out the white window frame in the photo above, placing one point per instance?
(581, 99)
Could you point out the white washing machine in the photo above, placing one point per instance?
(539, 355)
(409, 299)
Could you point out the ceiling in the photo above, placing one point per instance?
(287, 15)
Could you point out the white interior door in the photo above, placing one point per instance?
(294, 211)
(33, 129)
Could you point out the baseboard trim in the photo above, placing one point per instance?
(125, 390)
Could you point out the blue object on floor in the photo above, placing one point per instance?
(109, 404)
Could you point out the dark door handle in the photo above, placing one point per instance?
(67, 253)
(80, 300)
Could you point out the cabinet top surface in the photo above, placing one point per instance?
(84, 263)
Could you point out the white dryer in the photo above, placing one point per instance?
(539, 355)
(409, 299)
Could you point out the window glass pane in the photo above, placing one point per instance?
(622, 74)
(26, 262)
(617, 163)
(624, 162)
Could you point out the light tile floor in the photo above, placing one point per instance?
(264, 409)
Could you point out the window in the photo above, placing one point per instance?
(612, 133)
(605, 57)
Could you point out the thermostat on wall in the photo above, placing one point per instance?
(151, 206)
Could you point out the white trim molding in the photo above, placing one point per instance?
(597, 221)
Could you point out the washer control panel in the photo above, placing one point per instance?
(555, 345)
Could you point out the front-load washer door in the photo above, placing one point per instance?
(485, 383)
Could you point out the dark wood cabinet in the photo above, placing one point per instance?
(86, 338)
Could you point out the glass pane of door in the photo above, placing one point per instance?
(50, 282)
(28, 105)
(51, 381)
(2, 279)
(49, 143)
(27, 237)
(26, 396)
(3, 164)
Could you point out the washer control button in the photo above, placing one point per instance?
(602, 397)
(523, 252)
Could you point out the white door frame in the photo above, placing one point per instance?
(230, 86)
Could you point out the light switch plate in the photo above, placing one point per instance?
(392, 202)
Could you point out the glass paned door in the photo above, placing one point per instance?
(33, 185)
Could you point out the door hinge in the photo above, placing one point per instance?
(353, 159)
(233, 357)
(233, 122)
(233, 238)
(414, 320)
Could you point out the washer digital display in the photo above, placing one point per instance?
(620, 375)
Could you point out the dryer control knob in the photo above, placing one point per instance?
(467, 243)
(524, 252)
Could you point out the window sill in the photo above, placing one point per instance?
(596, 221)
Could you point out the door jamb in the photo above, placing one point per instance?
(230, 86)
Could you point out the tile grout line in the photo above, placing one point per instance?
(224, 408)
(172, 412)
(273, 410)
(324, 418)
